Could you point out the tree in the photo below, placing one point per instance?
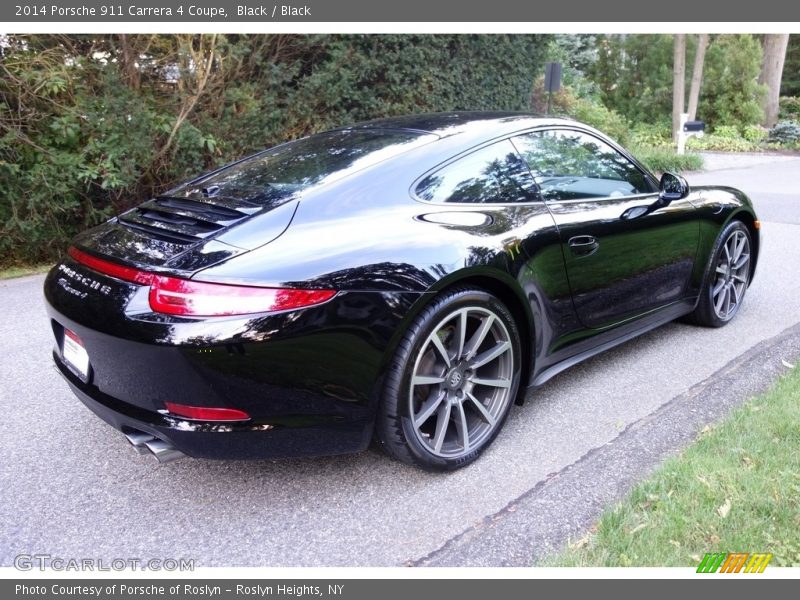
(732, 95)
(697, 75)
(634, 75)
(678, 81)
(775, 45)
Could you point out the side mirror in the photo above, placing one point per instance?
(673, 187)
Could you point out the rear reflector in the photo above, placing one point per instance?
(202, 413)
(185, 297)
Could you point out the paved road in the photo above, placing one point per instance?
(70, 486)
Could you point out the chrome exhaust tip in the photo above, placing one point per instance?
(138, 441)
(163, 451)
(144, 443)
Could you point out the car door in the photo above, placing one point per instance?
(519, 233)
(623, 256)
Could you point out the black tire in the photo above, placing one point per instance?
(726, 278)
(440, 413)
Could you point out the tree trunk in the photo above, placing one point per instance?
(678, 81)
(128, 60)
(697, 75)
(771, 72)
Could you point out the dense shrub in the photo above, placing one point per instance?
(785, 133)
(729, 132)
(755, 133)
(634, 76)
(789, 108)
(661, 160)
(722, 144)
(654, 135)
(731, 93)
(606, 120)
(586, 110)
(92, 124)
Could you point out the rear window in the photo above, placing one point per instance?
(276, 175)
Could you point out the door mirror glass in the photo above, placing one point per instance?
(673, 187)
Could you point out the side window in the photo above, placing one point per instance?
(570, 165)
(494, 174)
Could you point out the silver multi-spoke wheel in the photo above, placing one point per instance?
(727, 277)
(452, 381)
(731, 275)
(461, 382)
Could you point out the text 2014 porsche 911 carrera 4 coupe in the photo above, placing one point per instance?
(404, 280)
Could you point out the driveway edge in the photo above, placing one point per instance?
(564, 506)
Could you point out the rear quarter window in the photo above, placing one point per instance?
(492, 175)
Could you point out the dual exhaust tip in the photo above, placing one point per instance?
(144, 443)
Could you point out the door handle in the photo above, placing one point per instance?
(583, 245)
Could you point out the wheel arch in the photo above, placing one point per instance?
(500, 285)
(749, 220)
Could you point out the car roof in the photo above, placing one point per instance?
(465, 124)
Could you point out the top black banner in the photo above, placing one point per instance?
(410, 11)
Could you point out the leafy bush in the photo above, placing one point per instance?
(598, 116)
(93, 124)
(722, 144)
(661, 160)
(634, 73)
(585, 110)
(755, 133)
(731, 94)
(655, 135)
(789, 108)
(785, 133)
(730, 132)
(634, 76)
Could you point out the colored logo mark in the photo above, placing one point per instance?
(734, 562)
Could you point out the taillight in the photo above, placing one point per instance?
(203, 413)
(185, 297)
(111, 268)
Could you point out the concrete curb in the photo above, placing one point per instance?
(565, 505)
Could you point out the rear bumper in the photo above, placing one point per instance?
(252, 440)
(309, 379)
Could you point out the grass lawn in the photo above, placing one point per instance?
(737, 489)
(16, 271)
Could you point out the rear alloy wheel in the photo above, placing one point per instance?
(453, 382)
(727, 278)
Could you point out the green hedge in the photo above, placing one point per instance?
(660, 159)
(89, 122)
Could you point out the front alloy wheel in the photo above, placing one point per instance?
(731, 275)
(727, 277)
(454, 380)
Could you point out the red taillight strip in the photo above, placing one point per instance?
(173, 296)
(191, 298)
(111, 268)
(204, 413)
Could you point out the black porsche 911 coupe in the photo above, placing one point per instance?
(404, 280)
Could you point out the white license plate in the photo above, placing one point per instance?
(75, 354)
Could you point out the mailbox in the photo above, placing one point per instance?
(687, 129)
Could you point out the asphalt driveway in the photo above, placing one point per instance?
(70, 486)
